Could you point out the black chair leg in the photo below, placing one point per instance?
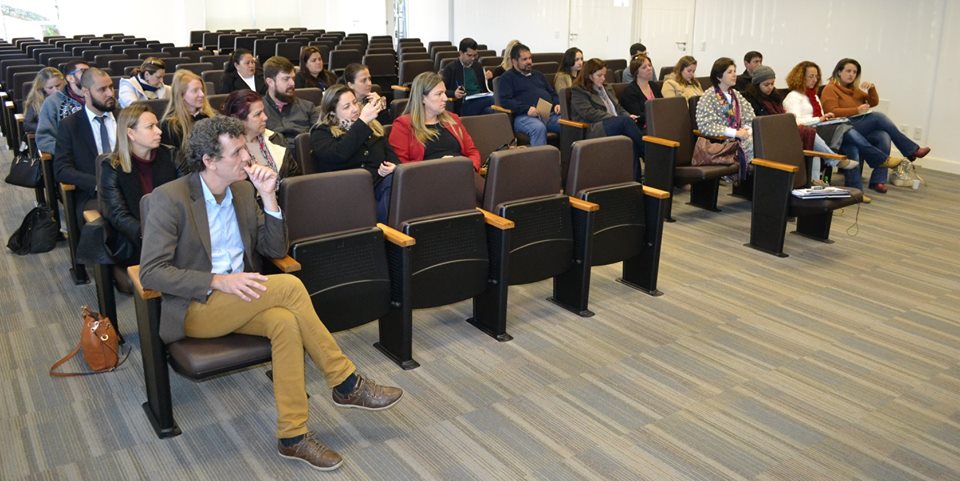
(396, 327)
(641, 271)
(769, 211)
(816, 226)
(156, 375)
(106, 299)
(571, 290)
(490, 307)
(704, 194)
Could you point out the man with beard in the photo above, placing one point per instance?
(59, 105)
(522, 89)
(84, 135)
(465, 78)
(286, 114)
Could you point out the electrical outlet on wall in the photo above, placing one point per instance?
(917, 134)
(904, 128)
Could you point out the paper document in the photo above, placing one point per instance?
(478, 96)
(544, 109)
(821, 193)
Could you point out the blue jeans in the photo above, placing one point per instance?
(623, 125)
(381, 194)
(535, 128)
(878, 122)
(877, 140)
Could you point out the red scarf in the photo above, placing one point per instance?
(812, 95)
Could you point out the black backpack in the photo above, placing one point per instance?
(38, 233)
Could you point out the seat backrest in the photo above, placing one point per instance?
(555, 57)
(431, 187)
(521, 174)
(157, 106)
(437, 49)
(341, 58)
(304, 152)
(214, 77)
(692, 103)
(197, 68)
(490, 132)
(776, 138)
(216, 60)
(320, 204)
(380, 65)
(118, 67)
(244, 42)
(226, 41)
(264, 49)
(397, 107)
(564, 96)
(615, 64)
(411, 68)
(290, 51)
(415, 56)
(598, 162)
(664, 71)
(669, 119)
(546, 67)
(618, 89)
(705, 83)
(310, 94)
(216, 100)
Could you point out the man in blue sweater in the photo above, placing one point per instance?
(521, 89)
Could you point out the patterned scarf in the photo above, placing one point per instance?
(733, 121)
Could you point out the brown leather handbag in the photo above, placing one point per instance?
(99, 343)
(706, 152)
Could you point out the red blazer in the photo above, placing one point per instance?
(409, 149)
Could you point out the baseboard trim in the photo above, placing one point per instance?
(942, 165)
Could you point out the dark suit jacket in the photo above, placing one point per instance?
(635, 102)
(74, 160)
(453, 77)
(231, 81)
(120, 192)
(587, 106)
(176, 256)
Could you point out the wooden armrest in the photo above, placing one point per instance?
(655, 193)
(396, 237)
(146, 294)
(286, 264)
(660, 141)
(774, 165)
(400, 88)
(572, 123)
(825, 155)
(495, 220)
(583, 205)
(18, 117)
(3, 95)
(91, 215)
(711, 137)
(8, 104)
(64, 187)
(498, 108)
(45, 157)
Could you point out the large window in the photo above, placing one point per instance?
(33, 18)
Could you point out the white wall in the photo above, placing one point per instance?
(943, 117)
(543, 25)
(430, 19)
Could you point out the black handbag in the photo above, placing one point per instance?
(25, 171)
(37, 233)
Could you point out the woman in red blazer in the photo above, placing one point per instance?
(426, 130)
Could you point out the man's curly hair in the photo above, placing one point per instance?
(205, 139)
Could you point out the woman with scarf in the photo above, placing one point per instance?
(267, 148)
(145, 83)
(723, 112)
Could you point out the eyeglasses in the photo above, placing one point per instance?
(81, 70)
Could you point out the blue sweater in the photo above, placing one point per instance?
(519, 92)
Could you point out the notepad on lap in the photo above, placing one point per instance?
(544, 109)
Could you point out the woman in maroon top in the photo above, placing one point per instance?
(137, 166)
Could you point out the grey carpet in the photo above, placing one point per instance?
(840, 362)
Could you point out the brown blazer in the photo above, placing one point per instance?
(176, 255)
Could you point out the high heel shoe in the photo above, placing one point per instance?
(879, 187)
(919, 154)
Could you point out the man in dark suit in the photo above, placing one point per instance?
(83, 135)
(203, 238)
(465, 77)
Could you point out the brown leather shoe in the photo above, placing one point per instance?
(368, 395)
(920, 153)
(312, 452)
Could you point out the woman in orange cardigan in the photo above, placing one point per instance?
(846, 96)
(426, 130)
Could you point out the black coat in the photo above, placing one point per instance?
(120, 192)
(635, 102)
(354, 149)
(231, 81)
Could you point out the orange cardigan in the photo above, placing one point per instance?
(409, 149)
(843, 102)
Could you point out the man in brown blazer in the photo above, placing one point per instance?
(203, 238)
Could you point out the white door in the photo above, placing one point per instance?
(601, 28)
(666, 29)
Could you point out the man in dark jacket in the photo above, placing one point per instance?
(466, 82)
(533, 101)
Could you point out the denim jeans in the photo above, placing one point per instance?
(819, 145)
(624, 125)
(535, 128)
(381, 194)
(878, 122)
(877, 140)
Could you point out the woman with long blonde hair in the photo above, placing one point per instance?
(188, 104)
(505, 63)
(426, 130)
(348, 136)
(47, 81)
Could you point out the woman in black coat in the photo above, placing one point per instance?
(241, 73)
(635, 96)
(137, 166)
(350, 137)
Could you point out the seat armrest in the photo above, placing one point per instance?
(575, 124)
(396, 237)
(825, 155)
(400, 88)
(45, 157)
(18, 117)
(65, 187)
(774, 165)
(91, 215)
(495, 220)
(498, 108)
(286, 264)
(661, 141)
(655, 193)
(145, 294)
(583, 205)
(711, 137)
